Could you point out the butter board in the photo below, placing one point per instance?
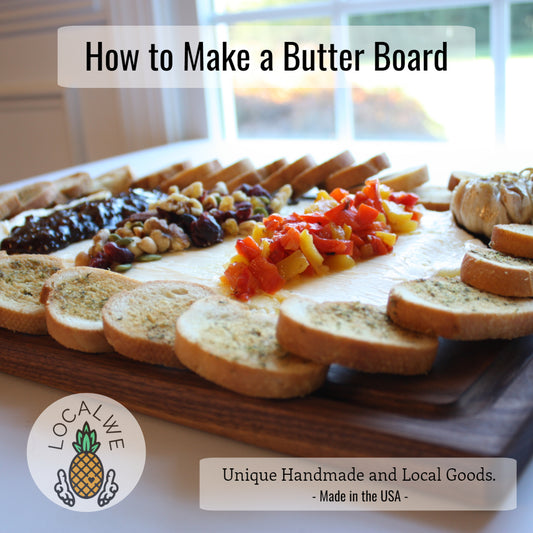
(477, 401)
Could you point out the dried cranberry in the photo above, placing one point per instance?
(254, 190)
(221, 216)
(100, 260)
(118, 254)
(243, 211)
(206, 231)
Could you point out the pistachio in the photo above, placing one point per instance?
(124, 267)
(148, 257)
(124, 241)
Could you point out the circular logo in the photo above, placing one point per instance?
(86, 452)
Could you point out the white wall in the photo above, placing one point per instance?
(44, 127)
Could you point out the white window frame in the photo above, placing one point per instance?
(222, 117)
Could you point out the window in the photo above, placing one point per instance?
(496, 100)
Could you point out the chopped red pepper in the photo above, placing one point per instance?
(349, 228)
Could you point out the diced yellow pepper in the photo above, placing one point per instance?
(400, 220)
(322, 205)
(387, 238)
(258, 232)
(239, 259)
(311, 253)
(292, 265)
(339, 262)
(337, 232)
(347, 231)
(381, 217)
(324, 195)
(384, 191)
(265, 247)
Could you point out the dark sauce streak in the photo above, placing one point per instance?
(42, 235)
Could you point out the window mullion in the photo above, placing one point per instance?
(500, 39)
(343, 103)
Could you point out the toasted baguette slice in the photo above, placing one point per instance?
(513, 239)
(74, 298)
(141, 323)
(492, 271)
(228, 173)
(319, 174)
(36, 196)
(151, 181)
(116, 181)
(21, 279)
(457, 175)
(351, 176)
(75, 185)
(288, 173)
(252, 177)
(234, 345)
(354, 335)
(433, 197)
(272, 167)
(9, 204)
(190, 175)
(404, 180)
(449, 308)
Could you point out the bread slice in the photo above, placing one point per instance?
(288, 173)
(457, 175)
(433, 197)
(318, 175)
(354, 335)
(21, 279)
(234, 345)
(492, 271)
(228, 173)
(151, 181)
(272, 167)
(449, 308)
(74, 298)
(36, 196)
(252, 177)
(351, 176)
(190, 175)
(116, 181)
(75, 185)
(513, 239)
(9, 204)
(404, 180)
(141, 323)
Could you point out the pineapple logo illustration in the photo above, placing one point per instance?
(86, 472)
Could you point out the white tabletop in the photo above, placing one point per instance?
(167, 496)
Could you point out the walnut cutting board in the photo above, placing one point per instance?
(477, 401)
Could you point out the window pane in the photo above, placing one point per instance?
(405, 106)
(519, 67)
(232, 6)
(289, 110)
